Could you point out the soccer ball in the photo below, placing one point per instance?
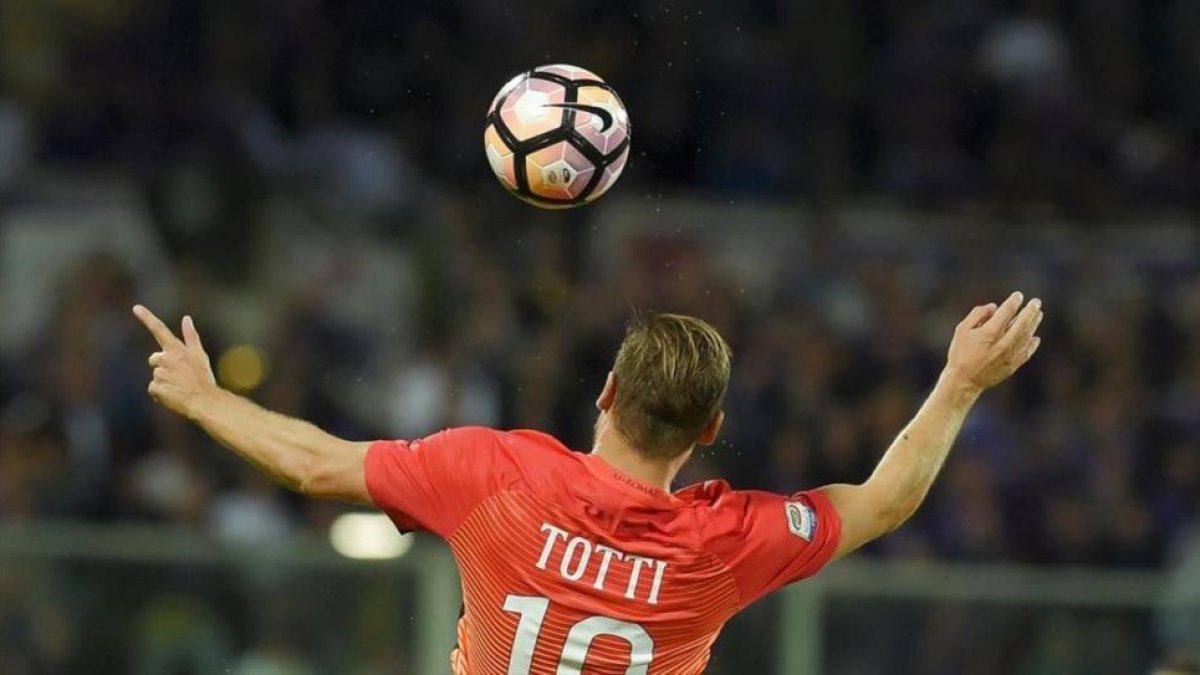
(557, 136)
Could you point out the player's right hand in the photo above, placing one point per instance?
(992, 342)
(182, 373)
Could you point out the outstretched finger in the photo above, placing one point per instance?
(191, 337)
(1004, 315)
(157, 328)
(1026, 351)
(1023, 326)
(977, 316)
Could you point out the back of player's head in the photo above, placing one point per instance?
(671, 374)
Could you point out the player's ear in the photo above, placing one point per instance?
(708, 435)
(608, 394)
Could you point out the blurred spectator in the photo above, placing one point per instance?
(1177, 664)
(170, 482)
(281, 646)
(36, 630)
(15, 143)
(179, 634)
(254, 513)
(1028, 53)
(270, 661)
(34, 475)
(1179, 614)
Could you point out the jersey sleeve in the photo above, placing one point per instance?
(783, 539)
(432, 484)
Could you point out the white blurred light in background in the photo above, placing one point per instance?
(368, 536)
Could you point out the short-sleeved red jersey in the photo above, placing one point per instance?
(569, 566)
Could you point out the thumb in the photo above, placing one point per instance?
(191, 337)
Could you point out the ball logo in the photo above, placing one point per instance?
(801, 520)
(606, 118)
(560, 176)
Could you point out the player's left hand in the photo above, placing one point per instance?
(183, 375)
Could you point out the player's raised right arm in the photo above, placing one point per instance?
(293, 452)
(989, 345)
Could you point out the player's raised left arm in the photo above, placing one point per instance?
(989, 345)
(293, 452)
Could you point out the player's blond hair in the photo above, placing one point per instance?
(671, 374)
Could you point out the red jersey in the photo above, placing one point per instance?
(569, 566)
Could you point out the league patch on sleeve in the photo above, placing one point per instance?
(802, 520)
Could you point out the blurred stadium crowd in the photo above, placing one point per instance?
(1091, 107)
(1090, 457)
(306, 179)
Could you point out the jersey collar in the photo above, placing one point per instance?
(625, 483)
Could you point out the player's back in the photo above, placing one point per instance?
(569, 566)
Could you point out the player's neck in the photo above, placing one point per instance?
(611, 447)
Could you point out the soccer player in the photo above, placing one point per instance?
(574, 562)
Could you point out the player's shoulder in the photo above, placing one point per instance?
(711, 496)
(525, 452)
(765, 539)
(489, 438)
(725, 514)
(716, 506)
(531, 449)
(535, 441)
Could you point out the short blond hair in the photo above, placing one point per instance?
(671, 375)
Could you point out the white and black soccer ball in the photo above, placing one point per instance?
(557, 136)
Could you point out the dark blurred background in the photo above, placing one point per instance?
(833, 183)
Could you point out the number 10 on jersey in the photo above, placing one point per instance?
(532, 611)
